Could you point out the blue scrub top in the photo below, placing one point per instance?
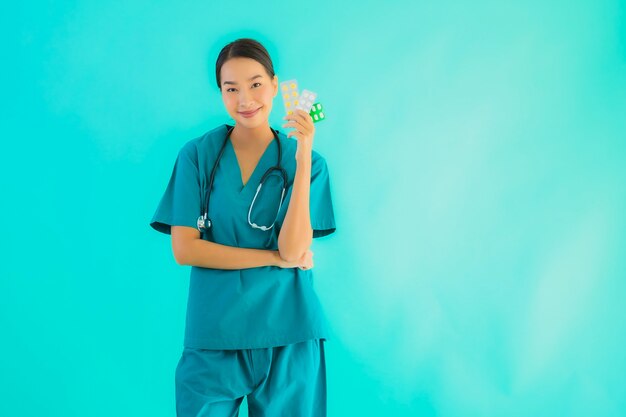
(254, 307)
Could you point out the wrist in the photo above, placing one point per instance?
(304, 152)
(304, 157)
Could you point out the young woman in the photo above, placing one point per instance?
(242, 206)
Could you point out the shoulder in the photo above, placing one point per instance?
(208, 143)
(317, 159)
(210, 139)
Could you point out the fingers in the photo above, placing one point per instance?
(299, 115)
(306, 261)
(302, 122)
(299, 120)
(305, 267)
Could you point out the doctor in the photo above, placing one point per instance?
(254, 326)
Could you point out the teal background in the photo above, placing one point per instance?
(477, 159)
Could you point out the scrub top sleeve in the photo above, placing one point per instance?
(321, 205)
(180, 204)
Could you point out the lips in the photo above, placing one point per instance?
(250, 113)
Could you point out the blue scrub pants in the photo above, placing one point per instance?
(278, 381)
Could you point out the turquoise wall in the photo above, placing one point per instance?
(478, 167)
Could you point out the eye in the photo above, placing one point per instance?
(256, 84)
(228, 89)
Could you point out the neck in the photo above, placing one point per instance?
(244, 137)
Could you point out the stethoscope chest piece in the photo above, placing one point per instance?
(203, 222)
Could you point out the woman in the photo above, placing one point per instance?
(254, 324)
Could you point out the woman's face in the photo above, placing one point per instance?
(247, 91)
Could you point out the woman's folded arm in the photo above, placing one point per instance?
(190, 249)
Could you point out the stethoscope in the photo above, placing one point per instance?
(204, 223)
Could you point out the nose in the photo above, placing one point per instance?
(245, 99)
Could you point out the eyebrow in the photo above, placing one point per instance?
(250, 79)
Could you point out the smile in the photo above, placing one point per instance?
(250, 114)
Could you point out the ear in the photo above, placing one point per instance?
(275, 84)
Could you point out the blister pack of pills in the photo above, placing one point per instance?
(289, 91)
(317, 113)
(305, 101)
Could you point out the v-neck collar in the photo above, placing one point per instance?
(255, 177)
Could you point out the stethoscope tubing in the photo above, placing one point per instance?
(204, 222)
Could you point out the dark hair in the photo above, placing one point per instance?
(245, 48)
